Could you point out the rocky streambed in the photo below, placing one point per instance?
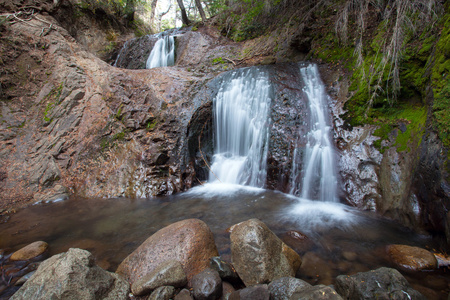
(180, 261)
(329, 239)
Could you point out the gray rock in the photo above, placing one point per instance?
(168, 273)
(258, 255)
(227, 289)
(162, 293)
(283, 288)
(317, 292)
(383, 283)
(184, 294)
(72, 275)
(257, 292)
(225, 269)
(207, 285)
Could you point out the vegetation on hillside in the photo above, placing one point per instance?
(396, 53)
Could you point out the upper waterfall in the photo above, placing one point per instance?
(163, 53)
(241, 117)
(318, 177)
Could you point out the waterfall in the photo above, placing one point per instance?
(241, 128)
(163, 53)
(318, 174)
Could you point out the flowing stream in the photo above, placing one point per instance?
(163, 53)
(241, 117)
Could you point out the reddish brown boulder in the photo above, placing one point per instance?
(191, 242)
(411, 258)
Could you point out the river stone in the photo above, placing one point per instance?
(190, 241)
(184, 294)
(383, 283)
(315, 268)
(31, 251)
(318, 292)
(207, 285)
(162, 293)
(283, 288)
(169, 273)
(411, 258)
(72, 275)
(257, 292)
(258, 255)
(227, 289)
(225, 269)
(297, 241)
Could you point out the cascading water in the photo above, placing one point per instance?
(318, 175)
(163, 53)
(241, 128)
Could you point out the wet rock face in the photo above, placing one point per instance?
(289, 124)
(135, 52)
(431, 185)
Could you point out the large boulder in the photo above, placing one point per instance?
(411, 258)
(383, 283)
(190, 241)
(169, 273)
(258, 255)
(30, 251)
(72, 275)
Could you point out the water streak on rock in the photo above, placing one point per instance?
(163, 53)
(319, 174)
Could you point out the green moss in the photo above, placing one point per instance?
(218, 60)
(151, 124)
(441, 113)
(411, 117)
(47, 111)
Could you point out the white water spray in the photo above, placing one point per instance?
(241, 128)
(319, 174)
(163, 53)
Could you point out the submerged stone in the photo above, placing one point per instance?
(383, 283)
(30, 251)
(411, 258)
